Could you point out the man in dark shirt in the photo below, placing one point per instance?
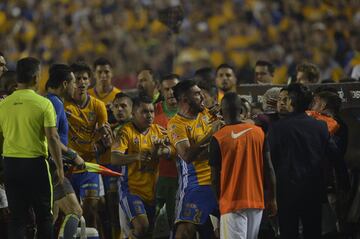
(299, 146)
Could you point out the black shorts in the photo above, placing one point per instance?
(60, 190)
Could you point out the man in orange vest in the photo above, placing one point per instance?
(239, 158)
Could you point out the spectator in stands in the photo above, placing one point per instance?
(307, 73)
(264, 72)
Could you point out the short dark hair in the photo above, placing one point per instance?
(169, 77)
(211, 88)
(182, 88)
(300, 96)
(224, 65)
(6, 79)
(26, 69)
(325, 88)
(269, 65)
(332, 100)
(2, 54)
(234, 103)
(141, 100)
(310, 70)
(58, 73)
(121, 95)
(204, 74)
(101, 61)
(81, 66)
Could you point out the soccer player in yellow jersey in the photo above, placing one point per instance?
(138, 146)
(103, 89)
(87, 118)
(189, 132)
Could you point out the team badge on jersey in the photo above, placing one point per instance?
(136, 140)
(91, 116)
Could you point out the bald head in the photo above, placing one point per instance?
(231, 107)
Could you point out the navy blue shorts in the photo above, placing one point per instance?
(133, 206)
(195, 205)
(85, 181)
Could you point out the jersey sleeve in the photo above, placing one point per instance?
(122, 141)
(177, 132)
(49, 115)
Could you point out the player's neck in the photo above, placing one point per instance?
(187, 113)
(141, 130)
(103, 88)
(56, 92)
(232, 89)
(22, 86)
(81, 100)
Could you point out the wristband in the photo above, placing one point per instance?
(70, 154)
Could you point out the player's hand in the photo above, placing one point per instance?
(163, 151)
(79, 162)
(272, 103)
(271, 207)
(60, 173)
(215, 109)
(144, 156)
(216, 125)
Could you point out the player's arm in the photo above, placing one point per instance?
(119, 155)
(53, 140)
(190, 153)
(119, 158)
(70, 155)
(215, 163)
(270, 181)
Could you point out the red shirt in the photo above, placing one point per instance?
(167, 167)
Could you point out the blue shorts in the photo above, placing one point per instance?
(133, 206)
(85, 181)
(110, 183)
(196, 204)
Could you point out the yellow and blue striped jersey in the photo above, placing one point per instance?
(198, 172)
(138, 177)
(83, 123)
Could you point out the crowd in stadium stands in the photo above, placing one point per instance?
(239, 32)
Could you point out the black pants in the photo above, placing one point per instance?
(27, 184)
(299, 204)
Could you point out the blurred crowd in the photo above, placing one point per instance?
(239, 32)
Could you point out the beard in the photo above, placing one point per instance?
(195, 107)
